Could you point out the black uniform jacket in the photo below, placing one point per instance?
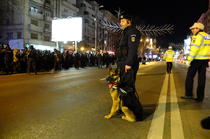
(128, 46)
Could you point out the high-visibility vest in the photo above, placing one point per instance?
(200, 47)
(169, 56)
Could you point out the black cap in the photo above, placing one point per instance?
(126, 16)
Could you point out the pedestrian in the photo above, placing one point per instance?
(128, 65)
(99, 59)
(144, 60)
(32, 60)
(1, 57)
(8, 59)
(57, 60)
(169, 58)
(198, 57)
(77, 60)
(16, 60)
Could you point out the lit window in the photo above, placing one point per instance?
(34, 36)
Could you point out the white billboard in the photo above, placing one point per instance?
(187, 45)
(19, 44)
(67, 29)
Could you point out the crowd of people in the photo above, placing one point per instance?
(32, 60)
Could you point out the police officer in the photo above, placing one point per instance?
(169, 57)
(128, 58)
(128, 64)
(198, 57)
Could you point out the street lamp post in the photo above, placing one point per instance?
(96, 25)
(95, 19)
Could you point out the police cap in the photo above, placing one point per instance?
(126, 16)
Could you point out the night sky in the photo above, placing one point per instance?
(180, 13)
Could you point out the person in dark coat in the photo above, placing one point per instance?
(128, 64)
(8, 59)
(1, 58)
(57, 60)
(31, 60)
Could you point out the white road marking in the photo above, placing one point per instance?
(176, 123)
(156, 130)
(141, 73)
(65, 74)
(157, 126)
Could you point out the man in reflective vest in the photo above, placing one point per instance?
(169, 58)
(198, 57)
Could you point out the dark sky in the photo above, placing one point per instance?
(180, 13)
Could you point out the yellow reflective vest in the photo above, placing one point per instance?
(169, 56)
(200, 47)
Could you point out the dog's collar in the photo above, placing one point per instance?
(112, 85)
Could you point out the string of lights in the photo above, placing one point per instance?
(146, 30)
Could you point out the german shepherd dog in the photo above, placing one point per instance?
(113, 80)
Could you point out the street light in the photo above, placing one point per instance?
(82, 49)
(95, 34)
(96, 25)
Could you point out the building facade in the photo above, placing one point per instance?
(68, 8)
(30, 21)
(111, 38)
(95, 35)
(12, 20)
(87, 11)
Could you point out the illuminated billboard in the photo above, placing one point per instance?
(187, 45)
(67, 29)
(18, 43)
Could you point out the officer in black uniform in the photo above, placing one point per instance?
(129, 42)
(127, 62)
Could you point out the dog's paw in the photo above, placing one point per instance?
(128, 119)
(108, 116)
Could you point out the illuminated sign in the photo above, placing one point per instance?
(68, 29)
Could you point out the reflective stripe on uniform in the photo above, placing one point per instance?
(195, 45)
(200, 56)
(169, 56)
(200, 46)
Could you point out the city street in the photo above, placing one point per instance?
(71, 104)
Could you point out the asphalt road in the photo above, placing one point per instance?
(72, 104)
